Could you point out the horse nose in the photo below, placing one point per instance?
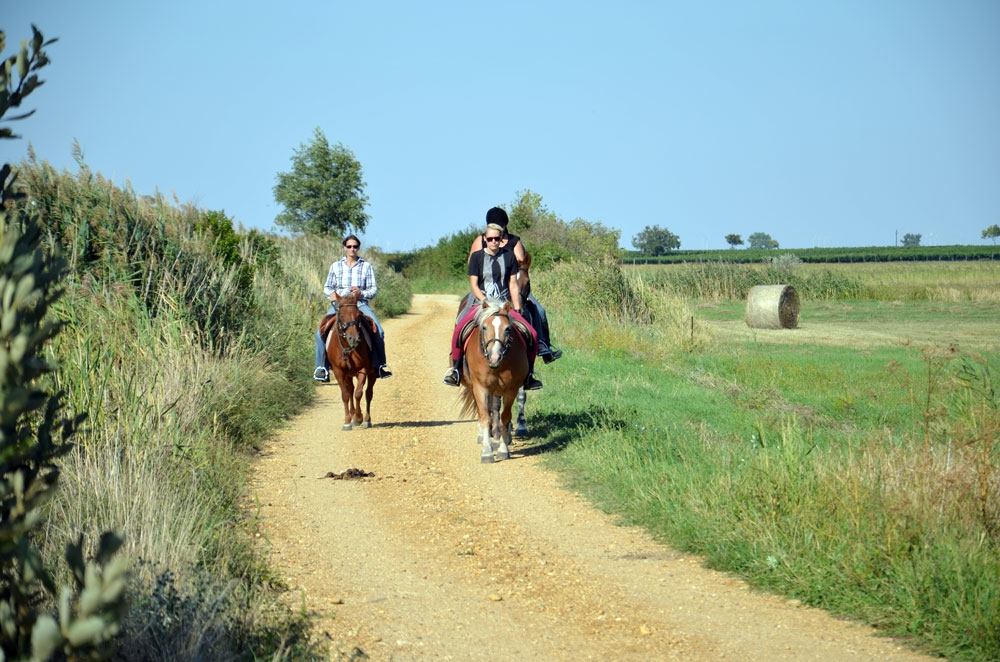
(495, 355)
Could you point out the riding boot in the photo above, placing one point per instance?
(532, 383)
(379, 358)
(454, 375)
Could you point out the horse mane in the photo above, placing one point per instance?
(488, 309)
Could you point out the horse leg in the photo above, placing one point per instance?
(496, 432)
(522, 424)
(503, 428)
(483, 403)
(369, 390)
(359, 391)
(346, 394)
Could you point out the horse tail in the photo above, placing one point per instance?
(468, 402)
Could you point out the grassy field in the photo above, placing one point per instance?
(852, 463)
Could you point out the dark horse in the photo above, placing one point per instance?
(496, 361)
(349, 338)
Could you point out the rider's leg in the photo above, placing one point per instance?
(454, 375)
(531, 382)
(321, 373)
(540, 321)
(379, 343)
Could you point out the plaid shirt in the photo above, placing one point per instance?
(343, 277)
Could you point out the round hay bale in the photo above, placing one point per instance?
(772, 307)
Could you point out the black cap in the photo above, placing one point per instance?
(498, 216)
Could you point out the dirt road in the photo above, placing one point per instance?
(439, 557)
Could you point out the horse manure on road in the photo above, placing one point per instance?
(350, 474)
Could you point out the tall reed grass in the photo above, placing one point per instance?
(188, 342)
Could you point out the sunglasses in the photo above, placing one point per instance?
(352, 246)
(492, 238)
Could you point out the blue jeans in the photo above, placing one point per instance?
(365, 309)
(536, 315)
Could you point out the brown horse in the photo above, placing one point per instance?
(521, 422)
(348, 350)
(496, 364)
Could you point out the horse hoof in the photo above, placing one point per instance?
(521, 431)
(503, 456)
(486, 459)
(366, 425)
(347, 427)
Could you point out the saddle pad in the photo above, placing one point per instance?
(325, 324)
(522, 331)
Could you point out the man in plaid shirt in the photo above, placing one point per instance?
(352, 273)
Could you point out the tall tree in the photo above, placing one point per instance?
(992, 232)
(911, 240)
(762, 240)
(324, 193)
(734, 240)
(656, 240)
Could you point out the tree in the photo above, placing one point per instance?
(762, 241)
(656, 241)
(911, 240)
(549, 239)
(324, 193)
(734, 240)
(992, 232)
(35, 431)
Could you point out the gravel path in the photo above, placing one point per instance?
(439, 557)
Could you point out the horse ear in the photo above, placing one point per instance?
(336, 297)
(506, 306)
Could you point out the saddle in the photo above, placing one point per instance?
(519, 326)
(329, 321)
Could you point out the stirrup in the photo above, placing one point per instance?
(321, 374)
(384, 372)
(532, 383)
(452, 378)
(552, 356)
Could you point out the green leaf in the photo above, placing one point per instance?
(46, 638)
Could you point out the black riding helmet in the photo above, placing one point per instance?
(498, 216)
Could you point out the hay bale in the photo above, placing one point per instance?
(772, 307)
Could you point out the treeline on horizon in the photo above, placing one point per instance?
(822, 255)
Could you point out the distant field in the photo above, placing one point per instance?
(868, 324)
(851, 463)
(941, 281)
(826, 255)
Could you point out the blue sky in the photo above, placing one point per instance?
(821, 123)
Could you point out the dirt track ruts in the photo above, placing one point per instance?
(440, 557)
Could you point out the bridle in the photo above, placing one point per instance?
(484, 345)
(342, 328)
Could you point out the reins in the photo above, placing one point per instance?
(484, 345)
(342, 328)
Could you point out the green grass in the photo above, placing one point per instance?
(863, 481)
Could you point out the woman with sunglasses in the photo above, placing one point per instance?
(492, 274)
(352, 273)
(533, 309)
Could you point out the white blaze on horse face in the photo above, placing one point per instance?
(495, 347)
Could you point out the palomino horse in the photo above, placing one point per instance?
(496, 365)
(348, 350)
(521, 422)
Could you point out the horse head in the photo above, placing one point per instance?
(495, 332)
(349, 321)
